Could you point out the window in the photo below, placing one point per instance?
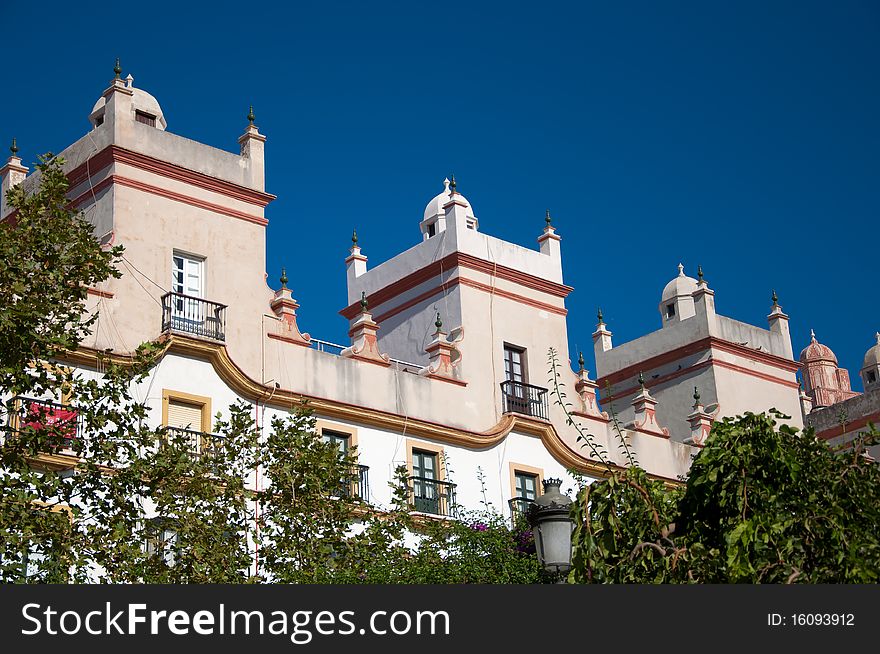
(186, 275)
(471, 224)
(525, 487)
(337, 438)
(670, 310)
(161, 539)
(430, 492)
(145, 118)
(432, 230)
(515, 364)
(188, 416)
(426, 496)
(99, 121)
(871, 376)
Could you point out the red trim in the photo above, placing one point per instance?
(698, 366)
(692, 348)
(448, 380)
(446, 264)
(116, 154)
(287, 339)
(171, 195)
(754, 373)
(99, 293)
(513, 296)
(473, 284)
(838, 430)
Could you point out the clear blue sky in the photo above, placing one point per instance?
(741, 136)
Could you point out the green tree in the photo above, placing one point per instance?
(762, 503)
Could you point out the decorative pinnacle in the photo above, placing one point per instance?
(877, 336)
(641, 380)
(354, 237)
(599, 316)
(696, 395)
(251, 118)
(452, 184)
(775, 298)
(700, 273)
(363, 300)
(581, 360)
(547, 218)
(117, 69)
(14, 148)
(681, 270)
(438, 323)
(812, 335)
(283, 278)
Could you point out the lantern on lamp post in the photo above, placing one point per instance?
(551, 526)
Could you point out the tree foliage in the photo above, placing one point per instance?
(762, 503)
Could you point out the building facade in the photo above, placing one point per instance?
(444, 371)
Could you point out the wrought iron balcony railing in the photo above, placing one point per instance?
(432, 496)
(360, 483)
(518, 397)
(199, 444)
(192, 315)
(64, 421)
(519, 507)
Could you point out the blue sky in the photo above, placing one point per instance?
(740, 136)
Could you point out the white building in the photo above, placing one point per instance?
(445, 394)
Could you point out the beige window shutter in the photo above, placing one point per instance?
(184, 415)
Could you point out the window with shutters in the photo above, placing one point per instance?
(187, 416)
(525, 487)
(429, 490)
(145, 118)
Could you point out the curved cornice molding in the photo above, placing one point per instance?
(235, 378)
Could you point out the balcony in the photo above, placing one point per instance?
(65, 422)
(432, 496)
(529, 400)
(185, 314)
(199, 444)
(360, 483)
(519, 508)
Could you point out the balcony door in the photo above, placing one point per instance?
(517, 375)
(187, 278)
(426, 496)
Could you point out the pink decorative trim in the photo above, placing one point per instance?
(99, 293)
(114, 153)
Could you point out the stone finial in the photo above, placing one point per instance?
(877, 336)
(581, 360)
(250, 117)
(283, 278)
(700, 279)
(14, 148)
(775, 298)
(117, 69)
(364, 303)
(812, 336)
(599, 316)
(438, 323)
(452, 184)
(696, 395)
(681, 270)
(642, 380)
(354, 238)
(547, 218)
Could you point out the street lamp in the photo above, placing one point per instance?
(549, 518)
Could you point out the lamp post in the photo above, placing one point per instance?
(549, 518)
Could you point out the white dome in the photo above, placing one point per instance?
(872, 356)
(435, 206)
(679, 286)
(140, 101)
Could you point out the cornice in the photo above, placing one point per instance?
(234, 377)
